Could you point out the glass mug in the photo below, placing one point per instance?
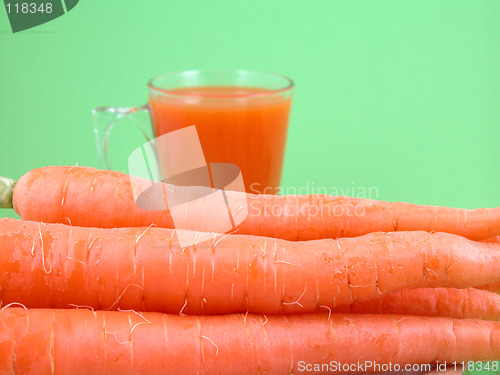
(241, 117)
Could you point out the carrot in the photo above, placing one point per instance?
(450, 371)
(493, 287)
(89, 197)
(448, 302)
(84, 342)
(55, 265)
(495, 239)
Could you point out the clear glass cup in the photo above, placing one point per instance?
(241, 117)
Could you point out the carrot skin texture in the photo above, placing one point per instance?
(468, 303)
(446, 372)
(85, 196)
(55, 265)
(495, 239)
(493, 287)
(79, 341)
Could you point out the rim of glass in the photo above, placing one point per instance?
(289, 84)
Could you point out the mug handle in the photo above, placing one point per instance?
(105, 118)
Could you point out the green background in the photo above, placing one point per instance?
(401, 96)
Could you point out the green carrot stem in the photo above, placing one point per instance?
(6, 190)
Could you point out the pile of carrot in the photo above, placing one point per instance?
(92, 283)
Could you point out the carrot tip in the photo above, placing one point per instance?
(6, 191)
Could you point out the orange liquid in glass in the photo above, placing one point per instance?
(235, 125)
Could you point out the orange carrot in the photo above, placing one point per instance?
(468, 303)
(450, 371)
(55, 265)
(495, 239)
(89, 197)
(84, 342)
(493, 287)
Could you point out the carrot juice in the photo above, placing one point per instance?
(245, 126)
